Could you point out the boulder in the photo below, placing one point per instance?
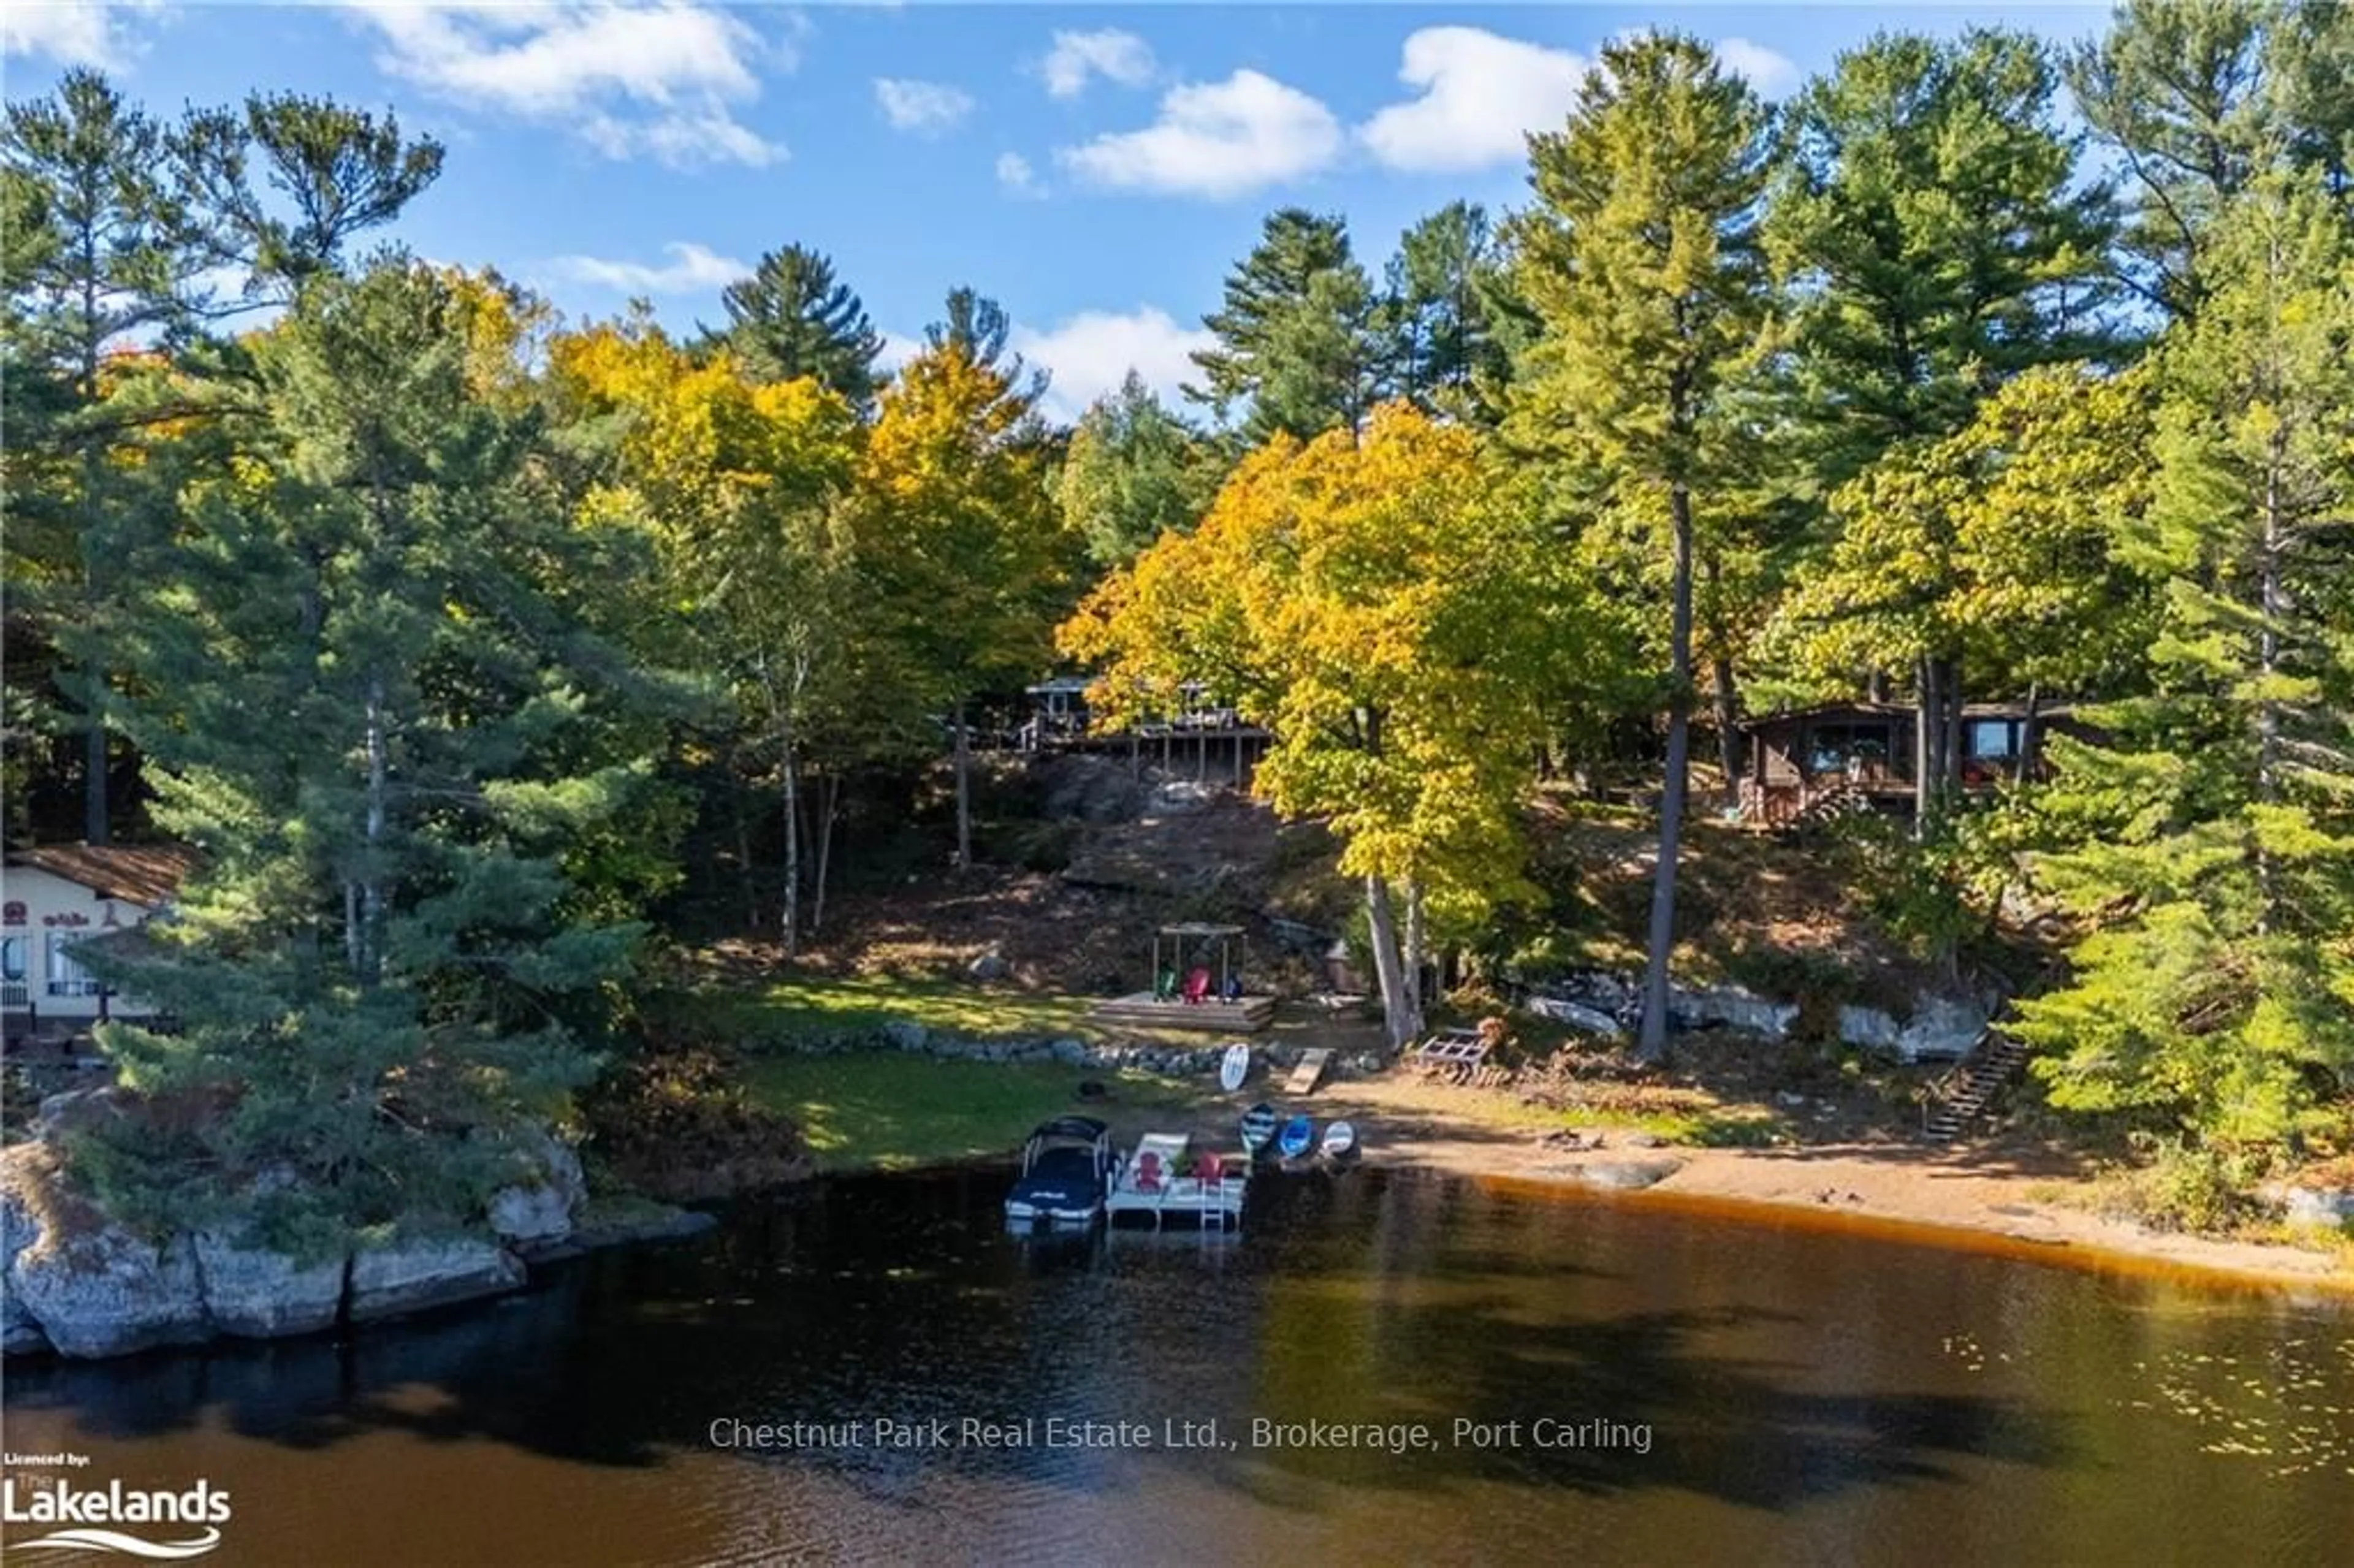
(1735, 1007)
(904, 1035)
(415, 1272)
(1941, 1027)
(1577, 1015)
(988, 968)
(1625, 1175)
(108, 1293)
(256, 1293)
(78, 1110)
(530, 1213)
(2324, 1208)
(18, 1230)
(1869, 1028)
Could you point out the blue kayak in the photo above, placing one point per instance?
(1258, 1128)
(1297, 1135)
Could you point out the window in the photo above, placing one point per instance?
(12, 958)
(68, 978)
(1992, 740)
(1839, 748)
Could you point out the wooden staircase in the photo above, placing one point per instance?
(1962, 1095)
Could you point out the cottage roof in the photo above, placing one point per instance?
(143, 873)
(1904, 711)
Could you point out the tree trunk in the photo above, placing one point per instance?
(1728, 727)
(1401, 1022)
(1951, 694)
(963, 796)
(1417, 953)
(372, 868)
(789, 922)
(96, 817)
(2022, 766)
(829, 797)
(1651, 1042)
(1925, 748)
(749, 884)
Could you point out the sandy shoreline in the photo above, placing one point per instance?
(1961, 1196)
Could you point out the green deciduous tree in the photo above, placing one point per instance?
(1641, 258)
(957, 529)
(1393, 609)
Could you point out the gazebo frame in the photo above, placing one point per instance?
(1183, 941)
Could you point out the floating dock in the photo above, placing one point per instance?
(1165, 1181)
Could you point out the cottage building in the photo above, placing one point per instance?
(1864, 754)
(55, 898)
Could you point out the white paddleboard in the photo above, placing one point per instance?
(1234, 1068)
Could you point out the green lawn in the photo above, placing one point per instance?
(806, 1005)
(884, 1109)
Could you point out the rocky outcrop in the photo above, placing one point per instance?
(109, 1293)
(254, 1293)
(543, 1209)
(1940, 1028)
(18, 1230)
(2319, 1208)
(411, 1273)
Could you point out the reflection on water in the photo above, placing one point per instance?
(1632, 1384)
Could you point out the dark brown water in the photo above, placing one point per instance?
(1764, 1394)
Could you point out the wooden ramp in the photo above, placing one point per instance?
(1310, 1072)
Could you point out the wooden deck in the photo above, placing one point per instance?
(1142, 1008)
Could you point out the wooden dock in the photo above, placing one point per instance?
(1142, 1008)
(1310, 1072)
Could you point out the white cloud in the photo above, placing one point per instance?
(692, 269)
(898, 347)
(1481, 95)
(655, 76)
(82, 33)
(1015, 172)
(1769, 71)
(926, 107)
(1216, 139)
(1108, 53)
(1091, 354)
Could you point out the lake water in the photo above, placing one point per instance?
(1641, 1385)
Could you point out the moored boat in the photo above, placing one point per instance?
(1068, 1165)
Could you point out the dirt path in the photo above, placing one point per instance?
(1960, 1195)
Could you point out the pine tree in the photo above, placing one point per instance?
(792, 318)
(1930, 225)
(1296, 334)
(1641, 257)
(104, 258)
(2177, 88)
(1133, 472)
(327, 174)
(1438, 313)
(365, 709)
(2215, 827)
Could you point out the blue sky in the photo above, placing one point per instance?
(1096, 169)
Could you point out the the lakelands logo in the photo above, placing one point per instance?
(89, 1517)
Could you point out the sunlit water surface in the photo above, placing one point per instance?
(1717, 1392)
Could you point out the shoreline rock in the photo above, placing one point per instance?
(418, 1272)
